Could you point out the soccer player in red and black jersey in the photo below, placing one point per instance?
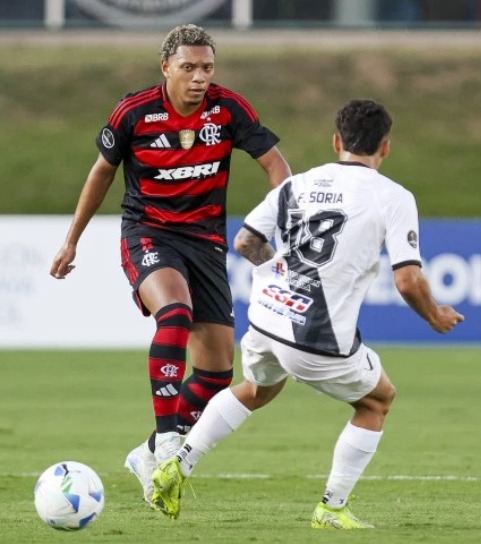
(175, 142)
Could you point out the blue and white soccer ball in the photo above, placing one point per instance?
(69, 496)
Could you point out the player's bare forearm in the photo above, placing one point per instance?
(275, 165)
(93, 193)
(252, 247)
(414, 288)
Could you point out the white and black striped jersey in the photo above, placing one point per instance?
(330, 225)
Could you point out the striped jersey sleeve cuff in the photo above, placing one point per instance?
(397, 266)
(256, 232)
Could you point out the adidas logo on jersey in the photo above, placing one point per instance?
(161, 142)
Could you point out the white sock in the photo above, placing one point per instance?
(354, 449)
(223, 414)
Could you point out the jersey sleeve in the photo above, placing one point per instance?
(402, 230)
(262, 220)
(248, 133)
(114, 138)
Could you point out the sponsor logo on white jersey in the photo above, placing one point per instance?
(190, 172)
(154, 117)
(301, 281)
(161, 142)
(281, 310)
(210, 134)
(323, 182)
(295, 301)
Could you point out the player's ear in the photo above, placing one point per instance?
(385, 148)
(336, 143)
(164, 66)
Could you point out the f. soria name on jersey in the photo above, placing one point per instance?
(321, 197)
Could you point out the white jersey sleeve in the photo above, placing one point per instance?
(263, 218)
(402, 230)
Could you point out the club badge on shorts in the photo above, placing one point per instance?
(187, 138)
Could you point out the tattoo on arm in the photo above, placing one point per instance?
(253, 248)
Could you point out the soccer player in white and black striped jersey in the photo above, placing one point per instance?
(330, 224)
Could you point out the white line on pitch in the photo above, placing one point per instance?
(259, 476)
(446, 478)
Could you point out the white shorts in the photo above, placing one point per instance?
(266, 362)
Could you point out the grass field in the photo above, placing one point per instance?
(262, 483)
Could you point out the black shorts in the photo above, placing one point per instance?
(202, 263)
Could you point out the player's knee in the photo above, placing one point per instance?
(388, 398)
(252, 395)
(264, 395)
(382, 404)
(377, 404)
(390, 395)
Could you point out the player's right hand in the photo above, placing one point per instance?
(446, 319)
(62, 263)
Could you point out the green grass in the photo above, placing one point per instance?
(94, 406)
(54, 99)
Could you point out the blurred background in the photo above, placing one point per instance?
(242, 13)
(65, 63)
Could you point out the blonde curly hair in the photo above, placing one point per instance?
(184, 35)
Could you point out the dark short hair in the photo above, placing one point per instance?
(362, 125)
(184, 35)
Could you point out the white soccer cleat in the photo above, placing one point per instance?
(141, 463)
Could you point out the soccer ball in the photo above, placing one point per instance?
(69, 496)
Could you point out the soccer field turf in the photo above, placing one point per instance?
(262, 483)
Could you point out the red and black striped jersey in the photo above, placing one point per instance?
(176, 168)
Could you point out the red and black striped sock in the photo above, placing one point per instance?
(167, 363)
(195, 393)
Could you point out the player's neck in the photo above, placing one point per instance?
(180, 105)
(371, 161)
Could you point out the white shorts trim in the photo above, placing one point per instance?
(266, 361)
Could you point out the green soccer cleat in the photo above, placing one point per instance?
(168, 482)
(325, 517)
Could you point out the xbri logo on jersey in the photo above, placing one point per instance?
(294, 301)
(150, 258)
(210, 134)
(190, 172)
